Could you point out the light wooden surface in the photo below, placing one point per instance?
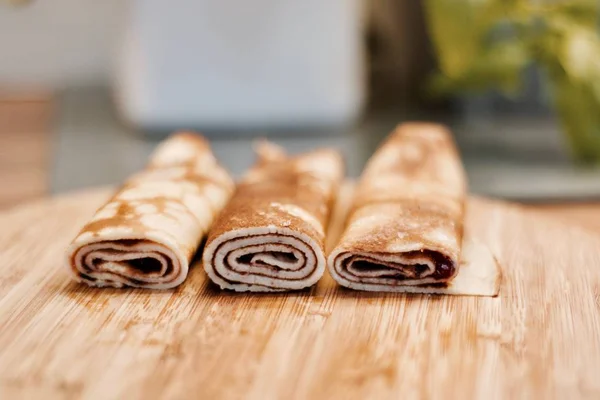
(539, 339)
(586, 215)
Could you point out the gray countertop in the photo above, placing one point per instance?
(513, 157)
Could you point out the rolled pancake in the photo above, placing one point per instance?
(271, 235)
(147, 234)
(404, 225)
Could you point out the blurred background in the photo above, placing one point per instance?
(88, 88)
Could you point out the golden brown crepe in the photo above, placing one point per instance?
(404, 229)
(147, 234)
(271, 235)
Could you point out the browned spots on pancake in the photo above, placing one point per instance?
(189, 175)
(418, 147)
(411, 195)
(279, 181)
(121, 218)
(295, 193)
(161, 202)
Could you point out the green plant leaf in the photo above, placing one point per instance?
(499, 66)
(457, 29)
(560, 35)
(577, 49)
(578, 107)
(584, 13)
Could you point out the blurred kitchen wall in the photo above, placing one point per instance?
(55, 43)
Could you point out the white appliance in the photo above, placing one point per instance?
(242, 64)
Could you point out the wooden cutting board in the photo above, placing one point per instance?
(539, 339)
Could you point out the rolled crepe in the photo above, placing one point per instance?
(147, 234)
(404, 230)
(270, 237)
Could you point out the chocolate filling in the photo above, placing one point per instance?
(444, 266)
(146, 265)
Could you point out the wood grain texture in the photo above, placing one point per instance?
(586, 215)
(539, 339)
